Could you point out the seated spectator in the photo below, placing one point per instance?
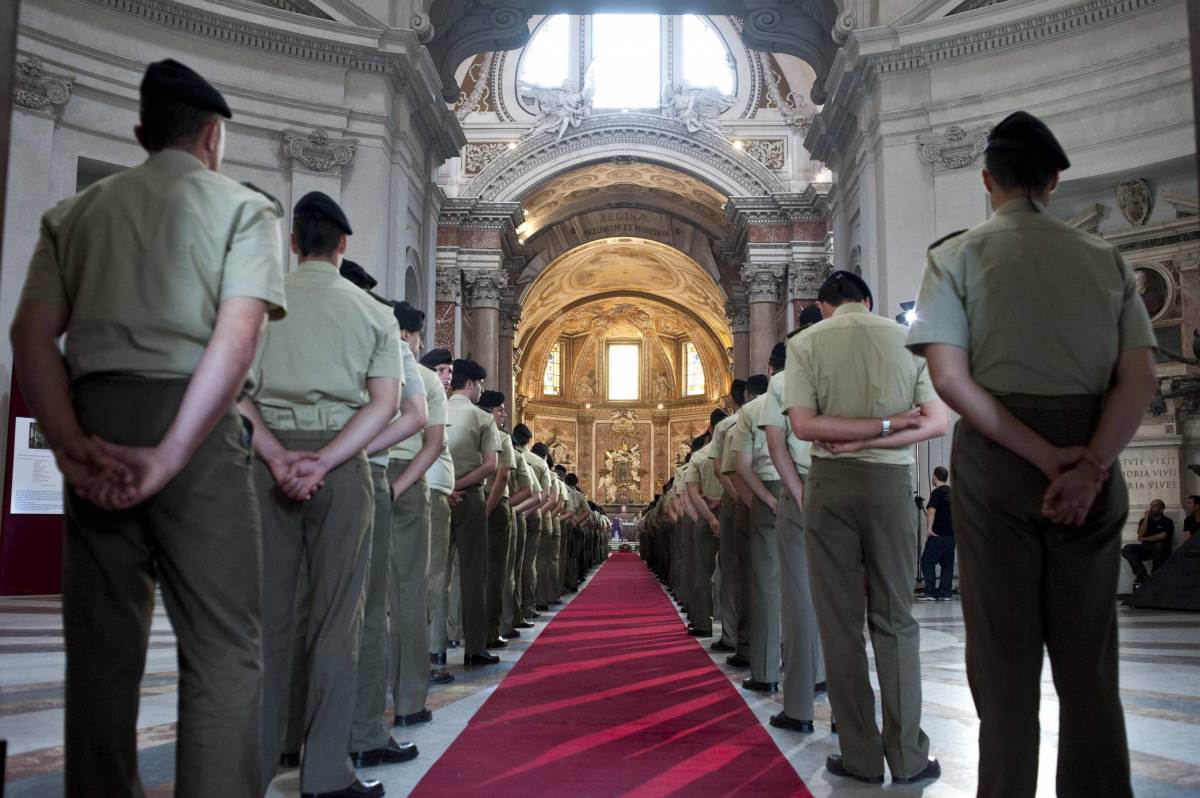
(1192, 522)
(1154, 533)
(939, 546)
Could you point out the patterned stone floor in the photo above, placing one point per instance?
(1160, 680)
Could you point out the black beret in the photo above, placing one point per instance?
(758, 384)
(779, 352)
(1027, 135)
(571, 479)
(319, 205)
(409, 318)
(490, 399)
(540, 449)
(810, 315)
(357, 275)
(470, 369)
(169, 81)
(842, 274)
(437, 357)
(521, 435)
(738, 383)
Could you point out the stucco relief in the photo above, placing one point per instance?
(36, 91)
(621, 459)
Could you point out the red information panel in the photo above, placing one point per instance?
(31, 543)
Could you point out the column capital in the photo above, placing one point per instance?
(805, 278)
(738, 313)
(762, 281)
(34, 90)
(449, 284)
(483, 287)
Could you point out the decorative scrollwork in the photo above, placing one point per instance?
(35, 91)
(957, 148)
(318, 152)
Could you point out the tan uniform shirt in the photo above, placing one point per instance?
(773, 416)
(411, 385)
(506, 459)
(747, 436)
(854, 365)
(472, 432)
(538, 475)
(1041, 307)
(315, 363)
(142, 260)
(703, 472)
(724, 455)
(435, 402)
(521, 472)
(440, 476)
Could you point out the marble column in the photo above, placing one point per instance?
(762, 283)
(447, 309)
(1189, 282)
(482, 288)
(510, 317)
(739, 324)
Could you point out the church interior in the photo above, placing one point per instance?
(617, 208)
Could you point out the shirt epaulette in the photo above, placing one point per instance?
(278, 205)
(944, 239)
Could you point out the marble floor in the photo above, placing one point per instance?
(1160, 681)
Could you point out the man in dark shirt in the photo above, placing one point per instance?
(1154, 532)
(1192, 522)
(939, 547)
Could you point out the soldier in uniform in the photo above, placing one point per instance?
(805, 667)
(405, 635)
(758, 473)
(727, 466)
(148, 297)
(853, 389)
(533, 521)
(1048, 399)
(320, 402)
(705, 492)
(440, 480)
(499, 520)
(727, 549)
(521, 504)
(474, 445)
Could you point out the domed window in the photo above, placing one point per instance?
(629, 58)
(552, 376)
(546, 60)
(693, 370)
(707, 62)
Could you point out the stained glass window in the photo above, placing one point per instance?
(693, 371)
(552, 377)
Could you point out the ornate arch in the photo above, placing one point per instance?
(638, 137)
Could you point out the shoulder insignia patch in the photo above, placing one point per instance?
(267, 194)
(944, 239)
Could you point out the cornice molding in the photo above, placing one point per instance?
(473, 213)
(612, 132)
(400, 57)
(853, 72)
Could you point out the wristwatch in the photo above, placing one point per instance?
(886, 428)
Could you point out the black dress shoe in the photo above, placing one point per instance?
(437, 659)
(833, 727)
(721, 645)
(391, 754)
(782, 721)
(833, 763)
(694, 632)
(523, 625)
(480, 659)
(737, 661)
(541, 607)
(820, 687)
(421, 716)
(499, 642)
(452, 643)
(931, 771)
(440, 676)
(357, 789)
(512, 634)
(760, 687)
(556, 603)
(289, 760)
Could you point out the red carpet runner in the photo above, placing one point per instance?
(614, 698)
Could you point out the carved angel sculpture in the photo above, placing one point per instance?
(696, 109)
(561, 109)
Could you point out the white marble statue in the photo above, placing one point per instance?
(696, 109)
(560, 109)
